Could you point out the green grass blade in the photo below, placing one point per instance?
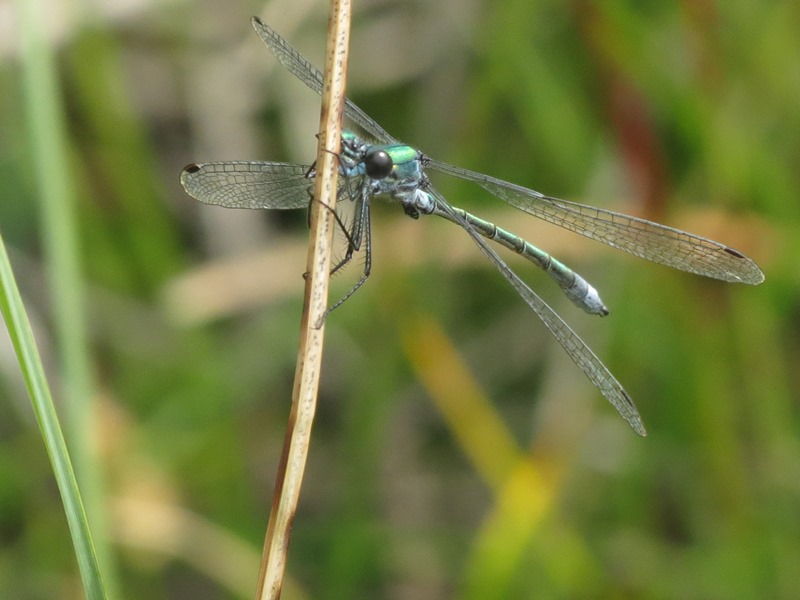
(51, 172)
(19, 330)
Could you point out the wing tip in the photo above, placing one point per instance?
(749, 273)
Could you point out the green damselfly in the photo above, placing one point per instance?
(378, 165)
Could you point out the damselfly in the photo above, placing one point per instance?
(378, 165)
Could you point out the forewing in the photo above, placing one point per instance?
(248, 184)
(298, 66)
(642, 238)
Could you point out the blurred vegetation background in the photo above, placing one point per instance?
(457, 453)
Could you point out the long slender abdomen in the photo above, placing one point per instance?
(576, 288)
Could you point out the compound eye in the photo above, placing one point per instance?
(378, 164)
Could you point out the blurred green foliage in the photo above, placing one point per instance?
(423, 482)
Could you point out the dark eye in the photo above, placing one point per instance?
(378, 164)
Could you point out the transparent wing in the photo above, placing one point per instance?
(294, 62)
(654, 242)
(577, 350)
(248, 184)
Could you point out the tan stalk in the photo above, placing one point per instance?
(309, 354)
